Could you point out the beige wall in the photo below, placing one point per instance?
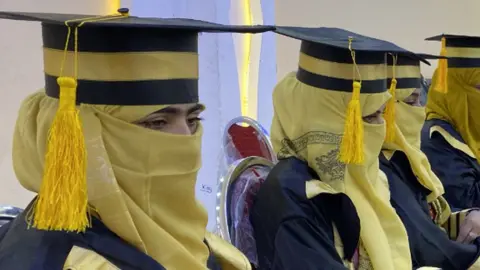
(21, 74)
(405, 22)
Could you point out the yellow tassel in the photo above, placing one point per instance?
(390, 112)
(351, 148)
(442, 70)
(62, 200)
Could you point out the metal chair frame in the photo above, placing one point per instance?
(224, 196)
(261, 131)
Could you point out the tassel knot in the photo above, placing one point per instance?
(390, 112)
(351, 147)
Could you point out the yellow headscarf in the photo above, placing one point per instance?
(308, 124)
(141, 182)
(459, 106)
(409, 121)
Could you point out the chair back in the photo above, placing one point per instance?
(238, 188)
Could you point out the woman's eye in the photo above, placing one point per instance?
(155, 124)
(194, 121)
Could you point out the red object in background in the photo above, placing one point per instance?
(246, 141)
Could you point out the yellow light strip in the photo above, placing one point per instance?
(113, 5)
(245, 70)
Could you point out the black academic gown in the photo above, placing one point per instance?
(30, 249)
(294, 232)
(429, 244)
(459, 172)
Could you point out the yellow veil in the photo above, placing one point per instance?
(140, 182)
(458, 105)
(308, 124)
(409, 121)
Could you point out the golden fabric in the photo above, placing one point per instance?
(308, 124)
(459, 106)
(141, 182)
(129, 66)
(409, 121)
(85, 259)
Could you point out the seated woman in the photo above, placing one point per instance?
(451, 134)
(137, 149)
(415, 191)
(325, 205)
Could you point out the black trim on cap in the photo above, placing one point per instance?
(335, 84)
(158, 92)
(458, 62)
(93, 38)
(405, 83)
(465, 42)
(403, 61)
(339, 55)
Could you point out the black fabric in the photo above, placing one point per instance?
(111, 40)
(459, 41)
(174, 24)
(429, 244)
(459, 173)
(457, 62)
(340, 55)
(30, 249)
(294, 232)
(404, 83)
(336, 84)
(154, 92)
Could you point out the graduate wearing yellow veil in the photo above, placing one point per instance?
(416, 192)
(451, 135)
(112, 146)
(326, 204)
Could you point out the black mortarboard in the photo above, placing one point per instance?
(126, 60)
(322, 48)
(407, 69)
(462, 51)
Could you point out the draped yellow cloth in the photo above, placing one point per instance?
(409, 121)
(460, 105)
(141, 182)
(308, 124)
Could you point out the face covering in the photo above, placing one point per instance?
(141, 182)
(308, 124)
(409, 121)
(459, 106)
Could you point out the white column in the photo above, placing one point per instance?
(21, 74)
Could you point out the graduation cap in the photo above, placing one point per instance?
(339, 60)
(406, 69)
(125, 60)
(110, 60)
(461, 51)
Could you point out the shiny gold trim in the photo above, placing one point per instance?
(463, 52)
(452, 141)
(315, 187)
(81, 258)
(340, 70)
(227, 255)
(404, 72)
(131, 66)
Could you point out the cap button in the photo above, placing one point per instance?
(123, 11)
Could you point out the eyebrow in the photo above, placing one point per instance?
(173, 110)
